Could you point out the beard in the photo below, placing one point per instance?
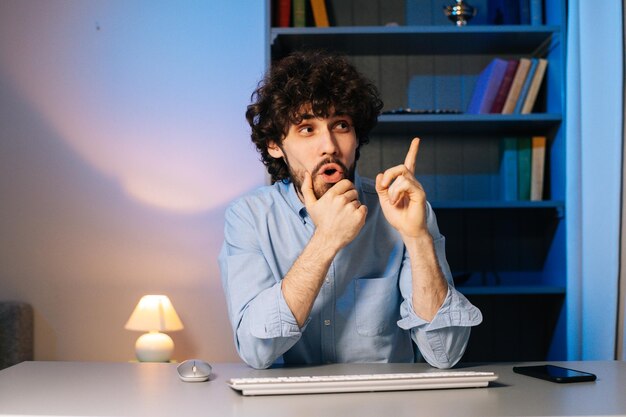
(320, 187)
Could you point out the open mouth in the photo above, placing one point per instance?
(331, 173)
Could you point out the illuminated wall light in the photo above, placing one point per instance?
(166, 123)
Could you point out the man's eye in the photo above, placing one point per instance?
(342, 126)
(306, 130)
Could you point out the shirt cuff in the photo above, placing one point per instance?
(456, 310)
(272, 317)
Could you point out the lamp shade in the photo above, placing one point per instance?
(154, 313)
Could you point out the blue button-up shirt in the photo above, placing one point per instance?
(363, 312)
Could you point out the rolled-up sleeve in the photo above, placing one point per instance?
(263, 324)
(443, 340)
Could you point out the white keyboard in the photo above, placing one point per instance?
(360, 383)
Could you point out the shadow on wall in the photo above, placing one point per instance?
(116, 143)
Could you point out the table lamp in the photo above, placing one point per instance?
(154, 314)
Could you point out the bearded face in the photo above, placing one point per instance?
(324, 147)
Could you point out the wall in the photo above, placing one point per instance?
(621, 302)
(122, 138)
(596, 147)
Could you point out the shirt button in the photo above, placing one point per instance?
(326, 322)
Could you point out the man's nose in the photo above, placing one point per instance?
(328, 143)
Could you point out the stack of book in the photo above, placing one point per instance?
(508, 86)
(522, 167)
(299, 13)
(511, 86)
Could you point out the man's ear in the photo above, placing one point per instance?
(274, 150)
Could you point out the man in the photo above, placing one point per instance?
(325, 266)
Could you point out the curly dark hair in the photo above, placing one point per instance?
(325, 81)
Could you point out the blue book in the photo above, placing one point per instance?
(536, 12)
(524, 158)
(508, 169)
(503, 12)
(524, 12)
(505, 86)
(494, 16)
(487, 87)
(529, 78)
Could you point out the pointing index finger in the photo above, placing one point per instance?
(411, 155)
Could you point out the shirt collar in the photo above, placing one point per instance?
(294, 201)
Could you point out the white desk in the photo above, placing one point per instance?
(135, 389)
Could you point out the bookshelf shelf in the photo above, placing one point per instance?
(512, 290)
(498, 205)
(415, 40)
(468, 123)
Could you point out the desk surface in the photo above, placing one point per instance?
(152, 389)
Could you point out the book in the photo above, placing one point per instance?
(503, 12)
(505, 85)
(516, 86)
(536, 12)
(524, 12)
(523, 168)
(535, 84)
(282, 14)
(508, 169)
(298, 8)
(487, 86)
(538, 161)
(524, 91)
(320, 15)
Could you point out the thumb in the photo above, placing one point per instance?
(382, 191)
(307, 189)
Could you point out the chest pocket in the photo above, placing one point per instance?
(377, 305)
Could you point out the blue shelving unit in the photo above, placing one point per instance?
(436, 66)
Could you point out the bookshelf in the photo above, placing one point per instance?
(422, 40)
(508, 257)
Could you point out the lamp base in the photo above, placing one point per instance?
(154, 347)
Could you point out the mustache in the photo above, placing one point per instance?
(329, 160)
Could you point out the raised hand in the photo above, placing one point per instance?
(338, 215)
(403, 202)
(402, 197)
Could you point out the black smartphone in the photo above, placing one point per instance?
(554, 373)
